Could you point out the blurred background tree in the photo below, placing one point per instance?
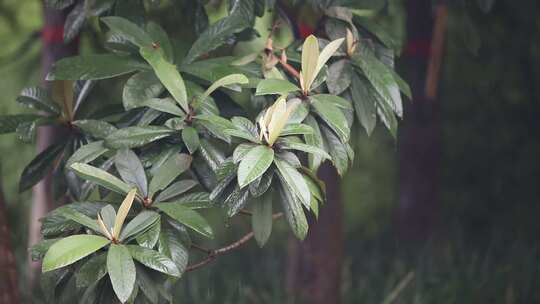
(480, 245)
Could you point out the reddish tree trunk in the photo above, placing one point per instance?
(53, 49)
(419, 138)
(9, 290)
(314, 265)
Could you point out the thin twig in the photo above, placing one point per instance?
(200, 248)
(289, 68)
(213, 254)
(245, 212)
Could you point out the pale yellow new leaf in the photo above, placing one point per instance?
(123, 212)
(350, 42)
(310, 57)
(280, 107)
(326, 53)
(280, 117)
(262, 126)
(103, 227)
(62, 93)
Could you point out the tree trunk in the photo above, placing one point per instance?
(419, 137)
(9, 290)
(314, 265)
(53, 50)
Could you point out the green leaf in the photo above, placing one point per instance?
(236, 200)
(108, 215)
(261, 185)
(211, 155)
(161, 39)
(287, 144)
(241, 150)
(244, 124)
(132, 137)
(191, 139)
(402, 84)
(316, 194)
(242, 134)
(336, 149)
(131, 170)
(168, 75)
(296, 129)
(147, 284)
(337, 101)
(197, 200)
(332, 115)
(92, 270)
(96, 128)
(129, 30)
(100, 177)
(155, 260)
(216, 125)
(240, 17)
(275, 86)
(187, 217)
(339, 76)
(26, 131)
(382, 79)
(150, 237)
(254, 164)
(166, 105)
(261, 220)
(171, 246)
(39, 99)
(139, 224)
(315, 140)
(121, 270)
(171, 169)
(364, 100)
(9, 123)
(39, 166)
(294, 181)
(387, 116)
(38, 251)
(216, 120)
(376, 29)
(139, 88)
(71, 249)
(78, 217)
(293, 212)
(74, 22)
(89, 67)
(225, 175)
(175, 189)
(54, 223)
(225, 81)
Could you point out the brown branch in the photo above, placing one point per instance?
(200, 248)
(245, 212)
(289, 68)
(213, 254)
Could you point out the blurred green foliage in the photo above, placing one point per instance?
(19, 66)
(486, 248)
